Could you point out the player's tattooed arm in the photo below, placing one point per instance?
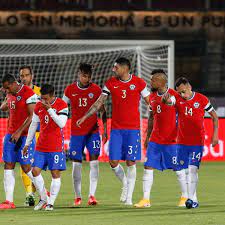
(146, 100)
(4, 105)
(15, 136)
(93, 109)
(104, 120)
(149, 129)
(215, 138)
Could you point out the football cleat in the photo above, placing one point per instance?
(123, 195)
(189, 204)
(77, 201)
(49, 207)
(30, 200)
(7, 205)
(92, 200)
(182, 202)
(195, 205)
(41, 205)
(128, 202)
(143, 203)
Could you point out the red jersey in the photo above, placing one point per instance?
(164, 120)
(191, 119)
(81, 99)
(17, 105)
(51, 135)
(125, 101)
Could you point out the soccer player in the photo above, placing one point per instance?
(161, 138)
(20, 102)
(51, 113)
(81, 95)
(191, 106)
(126, 90)
(26, 77)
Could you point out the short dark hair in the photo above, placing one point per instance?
(181, 80)
(123, 61)
(86, 68)
(47, 89)
(158, 71)
(8, 78)
(26, 67)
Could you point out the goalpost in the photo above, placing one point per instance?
(57, 61)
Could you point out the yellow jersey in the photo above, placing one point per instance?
(36, 90)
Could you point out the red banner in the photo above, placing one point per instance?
(210, 153)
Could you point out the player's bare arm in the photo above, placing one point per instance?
(17, 134)
(93, 109)
(215, 128)
(4, 105)
(104, 120)
(149, 128)
(146, 100)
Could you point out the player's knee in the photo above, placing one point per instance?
(113, 163)
(35, 172)
(193, 174)
(26, 168)
(93, 157)
(55, 174)
(181, 175)
(9, 166)
(130, 163)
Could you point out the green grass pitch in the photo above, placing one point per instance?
(165, 195)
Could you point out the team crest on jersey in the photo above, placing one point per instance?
(132, 87)
(90, 95)
(18, 98)
(196, 105)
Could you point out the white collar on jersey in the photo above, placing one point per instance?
(53, 101)
(81, 87)
(20, 88)
(191, 97)
(126, 81)
(162, 93)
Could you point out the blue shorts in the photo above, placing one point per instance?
(161, 157)
(188, 155)
(125, 145)
(77, 144)
(14, 152)
(52, 160)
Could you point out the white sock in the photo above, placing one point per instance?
(195, 199)
(192, 181)
(131, 179)
(9, 184)
(94, 173)
(119, 172)
(76, 176)
(30, 175)
(147, 183)
(182, 179)
(54, 190)
(40, 186)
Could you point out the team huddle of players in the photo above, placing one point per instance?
(175, 135)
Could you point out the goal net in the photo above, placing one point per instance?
(57, 62)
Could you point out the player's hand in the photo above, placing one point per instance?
(46, 104)
(15, 137)
(214, 141)
(166, 98)
(3, 91)
(80, 121)
(25, 150)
